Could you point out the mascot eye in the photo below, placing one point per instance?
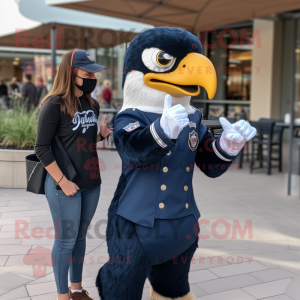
(157, 60)
(163, 58)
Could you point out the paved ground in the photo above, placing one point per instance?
(264, 264)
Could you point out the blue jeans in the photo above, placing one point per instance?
(71, 218)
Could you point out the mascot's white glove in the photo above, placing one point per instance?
(173, 119)
(235, 135)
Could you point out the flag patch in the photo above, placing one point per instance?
(132, 126)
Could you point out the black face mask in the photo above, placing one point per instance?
(88, 85)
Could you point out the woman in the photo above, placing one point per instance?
(107, 93)
(70, 112)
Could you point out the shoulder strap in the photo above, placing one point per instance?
(62, 149)
(70, 167)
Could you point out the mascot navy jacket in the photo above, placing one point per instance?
(158, 171)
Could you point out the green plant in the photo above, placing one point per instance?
(18, 126)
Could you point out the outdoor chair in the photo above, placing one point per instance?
(269, 140)
(240, 116)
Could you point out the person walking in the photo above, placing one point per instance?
(29, 92)
(107, 93)
(69, 113)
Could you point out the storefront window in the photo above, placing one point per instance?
(15, 63)
(113, 59)
(230, 52)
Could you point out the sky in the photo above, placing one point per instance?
(10, 18)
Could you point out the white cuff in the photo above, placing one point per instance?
(218, 153)
(159, 141)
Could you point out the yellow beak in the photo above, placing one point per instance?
(193, 71)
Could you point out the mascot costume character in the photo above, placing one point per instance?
(152, 228)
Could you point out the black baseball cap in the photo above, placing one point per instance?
(83, 60)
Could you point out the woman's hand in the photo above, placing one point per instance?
(104, 131)
(68, 187)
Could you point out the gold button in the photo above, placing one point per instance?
(163, 187)
(186, 187)
(161, 205)
(169, 153)
(165, 169)
(188, 169)
(186, 205)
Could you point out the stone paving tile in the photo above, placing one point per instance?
(10, 281)
(228, 295)
(22, 270)
(28, 213)
(10, 241)
(47, 278)
(197, 291)
(13, 249)
(206, 252)
(3, 260)
(16, 294)
(228, 283)
(45, 241)
(236, 269)
(268, 289)
(41, 288)
(272, 275)
(293, 290)
(201, 275)
(14, 202)
(50, 296)
(279, 297)
(12, 221)
(146, 294)
(15, 208)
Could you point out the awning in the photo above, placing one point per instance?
(193, 15)
(68, 37)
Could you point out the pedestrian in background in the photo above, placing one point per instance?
(29, 92)
(107, 93)
(41, 89)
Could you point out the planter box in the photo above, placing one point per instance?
(12, 168)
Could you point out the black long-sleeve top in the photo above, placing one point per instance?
(78, 136)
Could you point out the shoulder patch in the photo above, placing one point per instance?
(132, 126)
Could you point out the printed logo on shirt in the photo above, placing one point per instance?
(132, 126)
(84, 119)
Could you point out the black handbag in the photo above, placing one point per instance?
(36, 173)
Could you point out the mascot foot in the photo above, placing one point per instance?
(156, 296)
